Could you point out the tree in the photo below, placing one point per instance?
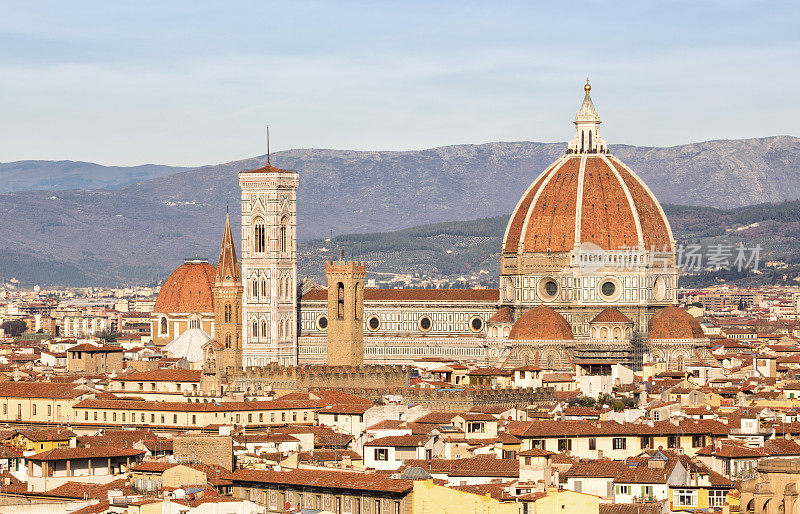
(108, 335)
(14, 327)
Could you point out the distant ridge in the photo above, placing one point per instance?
(60, 175)
(141, 231)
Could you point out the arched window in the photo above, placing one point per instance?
(590, 140)
(604, 333)
(228, 341)
(264, 288)
(260, 236)
(264, 329)
(284, 234)
(255, 288)
(228, 313)
(340, 301)
(164, 328)
(255, 330)
(280, 329)
(582, 135)
(617, 333)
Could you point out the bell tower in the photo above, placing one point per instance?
(227, 291)
(269, 266)
(345, 313)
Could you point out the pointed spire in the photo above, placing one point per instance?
(228, 265)
(587, 112)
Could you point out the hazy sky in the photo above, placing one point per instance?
(190, 83)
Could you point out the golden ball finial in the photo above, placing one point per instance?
(587, 87)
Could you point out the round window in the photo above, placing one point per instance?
(548, 288)
(476, 324)
(374, 323)
(322, 322)
(425, 323)
(608, 288)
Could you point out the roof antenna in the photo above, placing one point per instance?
(268, 145)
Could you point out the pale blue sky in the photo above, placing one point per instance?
(192, 83)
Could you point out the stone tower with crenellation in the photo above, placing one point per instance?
(345, 313)
(227, 291)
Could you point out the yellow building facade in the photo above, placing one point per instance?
(430, 498)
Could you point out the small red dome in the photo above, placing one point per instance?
(541, 324)
(188, 289)
(504, 315)
(674, 323)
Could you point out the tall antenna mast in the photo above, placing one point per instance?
(268, 144)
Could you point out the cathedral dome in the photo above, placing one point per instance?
(188, 289)
(590, 198)
(674, 323)
(587, 196)
(541, 324)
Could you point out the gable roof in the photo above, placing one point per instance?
(324, 479)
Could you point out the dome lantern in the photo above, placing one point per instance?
(587, 128)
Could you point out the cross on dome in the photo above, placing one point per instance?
(587, 128)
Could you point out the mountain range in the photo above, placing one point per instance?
(139, 232)
(59, 175)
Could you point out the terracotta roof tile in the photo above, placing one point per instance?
(40, 390)
(611, 315)
(503, 315)
(324, 479)
(187, 289)
(607, 215)
(674, 323)
(481, 466)
(268, 168)
(399, 440)
(85, 453)
(94, 348)
(541, 324)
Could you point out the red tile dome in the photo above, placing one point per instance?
(187, 289)
(587, 198)
(674, 323)
(541, 324)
